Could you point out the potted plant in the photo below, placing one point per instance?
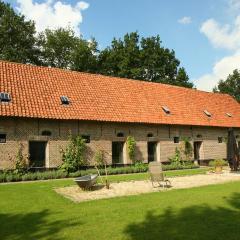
(218, 165)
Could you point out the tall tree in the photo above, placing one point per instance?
(143, 59)
(182, 78)
(62, 48)
(122, 59)
(17, 37)
(158, 64)
(231, 85)
(85, 56)
(57, 47)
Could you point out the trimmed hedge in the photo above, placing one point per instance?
(57, 174)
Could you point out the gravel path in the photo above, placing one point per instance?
(138, 187)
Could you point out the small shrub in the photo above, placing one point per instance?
(73, 156)
(141, 166)
(176, 159)
(21, 160)
(11, 176)
(218, 163)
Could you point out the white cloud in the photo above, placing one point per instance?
(225, 36)
(185, 20)
(222, 36)
(53, 14)
(221, 70)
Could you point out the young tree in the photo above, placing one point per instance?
(231, 85)
(17, 39)
(101, 162)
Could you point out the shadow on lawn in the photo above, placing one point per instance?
(31, 226)
(200, 223)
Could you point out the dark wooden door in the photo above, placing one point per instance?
(117, 152)
(37, 153)
(197, 146)
(152, 149)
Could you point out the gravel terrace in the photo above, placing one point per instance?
(139, 187)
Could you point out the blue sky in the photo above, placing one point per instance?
(204, 34)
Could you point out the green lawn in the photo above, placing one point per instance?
(30, 211)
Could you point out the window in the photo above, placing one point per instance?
(46, 133)
(3, 138)
(220, 139)
(64, 100)
(86, 138)
(166, 109)
(176, 139)
(5, 97)
(229, 114)
(149, 135)
(120, 134)
(207, 113)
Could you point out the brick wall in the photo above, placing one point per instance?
(21, 130)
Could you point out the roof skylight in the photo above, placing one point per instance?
(166, 109)
(5, 97)
(65, 100)
(207, 113)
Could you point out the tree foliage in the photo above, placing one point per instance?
(17, 39)
(63, 49)
(231, 85)
(143, 59)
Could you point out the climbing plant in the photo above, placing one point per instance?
(131, 148)
(188, 149)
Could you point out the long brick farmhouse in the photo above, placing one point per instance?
(41, 106)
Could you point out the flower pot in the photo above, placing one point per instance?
(218, 169)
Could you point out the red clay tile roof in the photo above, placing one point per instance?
(36, 91)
